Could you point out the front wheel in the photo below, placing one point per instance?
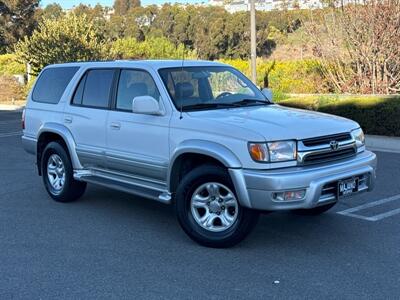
(209, 211)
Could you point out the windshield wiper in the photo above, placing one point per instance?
(240, 103)
(208, 106)
(251, 101)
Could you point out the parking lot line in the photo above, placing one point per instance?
(15, 133)
(350, 212)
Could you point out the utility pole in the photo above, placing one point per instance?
(253, 41)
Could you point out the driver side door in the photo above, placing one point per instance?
(137, 144)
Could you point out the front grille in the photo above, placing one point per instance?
(329, 189)
(315, 158)
(323, 140)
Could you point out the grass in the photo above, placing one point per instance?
(376, 114)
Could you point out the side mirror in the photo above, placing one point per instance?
(146, 105)
(268, 94)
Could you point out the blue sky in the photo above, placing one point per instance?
(70, 3)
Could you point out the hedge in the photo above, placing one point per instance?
(378, 115)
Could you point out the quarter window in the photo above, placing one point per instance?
(52, 83)
(134, 83)
(77, 100)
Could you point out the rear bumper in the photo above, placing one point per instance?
(255, 188)
(29, 144)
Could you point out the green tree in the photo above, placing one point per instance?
(51, 11)
(152, 48)
(17, 19)
(70, 38)
(94, 14)
(210, 35)
(122, 7)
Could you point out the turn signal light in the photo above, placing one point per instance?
(259, 152)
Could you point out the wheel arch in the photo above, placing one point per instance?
(50, 132)
(200, 152)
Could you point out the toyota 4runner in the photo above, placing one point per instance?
(196, 134)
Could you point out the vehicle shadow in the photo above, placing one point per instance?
(274, 231)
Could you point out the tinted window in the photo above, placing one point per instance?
(134, 83)
(79, 92)
(51, 84)
(96, 92)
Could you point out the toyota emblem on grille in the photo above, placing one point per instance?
(334, 145)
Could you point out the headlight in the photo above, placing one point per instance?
(282, 151)
(359, 137)
(273, 151)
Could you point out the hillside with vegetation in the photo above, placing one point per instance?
(352, 49)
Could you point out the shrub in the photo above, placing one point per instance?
(291, 76)
(151, 48)
(10, 89)
(376, 115)
(10, 66)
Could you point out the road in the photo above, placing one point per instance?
(114, 245)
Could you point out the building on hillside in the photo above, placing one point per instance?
(266, 5)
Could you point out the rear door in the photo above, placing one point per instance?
(87, 113)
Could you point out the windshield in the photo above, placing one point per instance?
(210, 87)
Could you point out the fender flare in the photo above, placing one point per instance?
(66, 136)
(220, 153)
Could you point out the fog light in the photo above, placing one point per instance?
(289, 195)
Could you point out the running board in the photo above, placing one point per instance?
(135, 187)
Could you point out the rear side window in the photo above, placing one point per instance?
(51, 84)
(94, 89)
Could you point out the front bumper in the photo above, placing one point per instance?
(255, 188)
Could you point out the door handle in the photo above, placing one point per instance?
(68, 120)
(116, 126)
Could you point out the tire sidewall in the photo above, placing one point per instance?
(56, 148)
(183, 197)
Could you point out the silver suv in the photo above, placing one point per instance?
(196, 134)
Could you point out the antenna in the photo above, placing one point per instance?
(181, 92)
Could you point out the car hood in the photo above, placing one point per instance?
(275, 122)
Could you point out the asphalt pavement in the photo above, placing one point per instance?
(114, 245)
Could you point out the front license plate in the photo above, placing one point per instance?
(347, 187)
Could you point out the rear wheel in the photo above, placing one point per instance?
(209, 211)
(315, 211)
(57, 174)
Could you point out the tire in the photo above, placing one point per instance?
(315, 211)
(218, 209)
(56, 166)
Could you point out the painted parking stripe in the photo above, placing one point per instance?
(15, 133)
(351, 211)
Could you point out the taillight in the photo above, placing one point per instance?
(23, 120)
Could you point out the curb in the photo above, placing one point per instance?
(383, 143)
(9, 107)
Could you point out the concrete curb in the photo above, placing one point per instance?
(383, 143)
(9, 107)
